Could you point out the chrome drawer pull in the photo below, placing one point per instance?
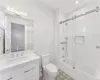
(29, 70)
(9, 78)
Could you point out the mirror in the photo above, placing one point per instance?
(19, 34)
(17, 37)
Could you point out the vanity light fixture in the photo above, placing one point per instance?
(14, 11)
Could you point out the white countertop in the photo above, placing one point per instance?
(6, 62)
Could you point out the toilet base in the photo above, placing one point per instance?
(46, 77)
(49, 79)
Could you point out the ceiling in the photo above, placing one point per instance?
(65, 5)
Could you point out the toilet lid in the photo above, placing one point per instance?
(51, 67)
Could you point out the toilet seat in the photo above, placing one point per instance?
(51, 67)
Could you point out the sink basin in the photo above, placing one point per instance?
(15, 55)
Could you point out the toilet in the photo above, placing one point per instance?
(49, 70)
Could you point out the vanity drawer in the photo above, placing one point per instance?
(25, 71)
(13, 73)
(7, 75)
(31, 70)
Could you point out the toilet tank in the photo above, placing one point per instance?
(45, 59)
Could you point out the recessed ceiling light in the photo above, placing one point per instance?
(77, 2)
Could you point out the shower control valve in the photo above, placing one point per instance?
(63, 48)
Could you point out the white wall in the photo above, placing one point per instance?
(43, 21)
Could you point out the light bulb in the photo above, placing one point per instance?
(77, 2)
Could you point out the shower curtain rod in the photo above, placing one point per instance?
(77, 16)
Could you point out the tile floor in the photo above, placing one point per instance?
(61, 76)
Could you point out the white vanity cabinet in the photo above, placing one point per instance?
(31, 71)
(26, 71)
